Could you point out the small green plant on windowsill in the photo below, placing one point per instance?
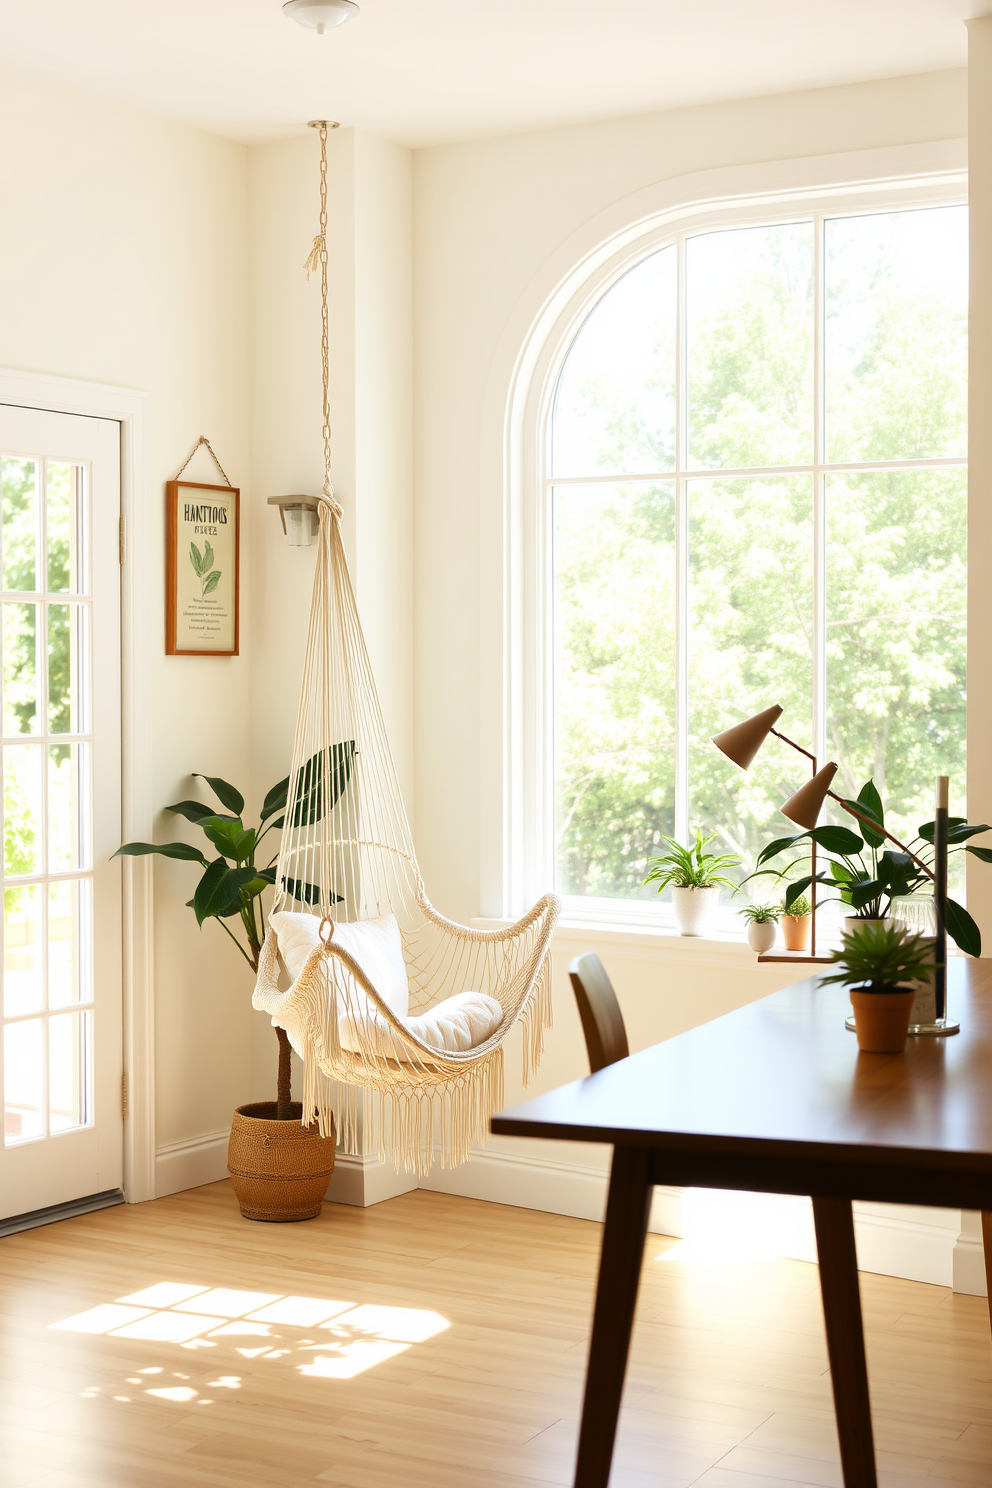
(761, 922)
(694, 877)
(760, 914)
(800, 907)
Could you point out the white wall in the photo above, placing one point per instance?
(123, 260)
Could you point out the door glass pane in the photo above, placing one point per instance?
(23, 984)
(20, 668)
(896, 603)
(896, 335)
(750, 645)
(61, 496)
(614, 649)
(68, 819)
(22, 807)
(20, 523)
(749, 311)
(23, 1081)
(68, 1063)
(66, 653)
(69, 956)
(615, 402)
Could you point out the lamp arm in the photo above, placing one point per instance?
(875, 827)
(798, 747)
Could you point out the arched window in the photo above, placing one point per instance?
(757, 494)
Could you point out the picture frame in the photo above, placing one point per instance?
(203, 569)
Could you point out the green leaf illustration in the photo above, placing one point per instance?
(211, 582)
(195, 559)
(208, 557)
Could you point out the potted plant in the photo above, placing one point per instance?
(761, 921)
(867, 875)
(694, 877)
(877, 962)
(795, 921)
(280, 1168)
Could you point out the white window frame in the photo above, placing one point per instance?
(524, 850)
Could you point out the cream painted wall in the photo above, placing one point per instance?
(122, 260)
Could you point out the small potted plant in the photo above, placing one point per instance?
(878, 963)
(795, 922)
(694, 877)
(761, 921)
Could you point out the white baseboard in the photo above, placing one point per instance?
(365, 1180)
(189, 1164)
(542, 1183)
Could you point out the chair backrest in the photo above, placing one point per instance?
(602, 1020)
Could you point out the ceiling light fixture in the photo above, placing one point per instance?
(319, 15)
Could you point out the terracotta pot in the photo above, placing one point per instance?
(694, 908)
(761, 935)
(280, 1169)
(795, 931)
(881, 1019)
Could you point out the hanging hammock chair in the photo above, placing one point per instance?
(385, 995)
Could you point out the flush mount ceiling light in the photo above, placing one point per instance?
(320, 14)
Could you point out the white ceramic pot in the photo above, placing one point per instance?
(854, 922)
(761, 935)
(694, 908)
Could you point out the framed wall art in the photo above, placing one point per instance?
(202, 569)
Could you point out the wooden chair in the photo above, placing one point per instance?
(602, 1020)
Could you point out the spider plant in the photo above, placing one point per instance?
(761, 914)
(691, 867)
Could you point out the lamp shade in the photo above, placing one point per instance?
(742, 742)
(805, 806)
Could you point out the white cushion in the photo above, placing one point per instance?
(461, 1022)
(374, 944)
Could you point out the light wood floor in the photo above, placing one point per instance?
(728, 1386)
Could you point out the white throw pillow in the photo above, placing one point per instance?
(461, 1022)
(374, 944)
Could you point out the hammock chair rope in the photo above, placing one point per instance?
(348, 876)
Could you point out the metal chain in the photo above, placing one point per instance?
(318, 259)
(204, 440)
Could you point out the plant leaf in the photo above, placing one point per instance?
(194, 811)
(864, 890)
(226, 794)
(795, 891)
(838, 839)
(195, 559)
(275, 800)
(181, 850)
(963, 832)
(269, 874)
(927, 829)
(963, 930)
(213, 579)
(983, 853)
(233, 840)
(779, 845)
(208, 556)
(219, 891)
(308, 790)
(307, 893)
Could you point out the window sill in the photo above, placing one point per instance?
(574, 935)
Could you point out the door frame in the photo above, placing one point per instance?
(129, 408)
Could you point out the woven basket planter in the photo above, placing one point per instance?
(280, 1169)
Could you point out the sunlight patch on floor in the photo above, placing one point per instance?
(358, 1336)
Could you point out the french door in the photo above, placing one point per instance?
(60, 814)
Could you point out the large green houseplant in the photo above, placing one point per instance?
(867, 874)
(231, 886)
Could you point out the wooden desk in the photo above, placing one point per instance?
(776, 1098)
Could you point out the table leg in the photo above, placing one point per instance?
(987, 1246)
(845, 1339)
(616, 1296)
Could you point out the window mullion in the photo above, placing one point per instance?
(681, 558)
(819, 498)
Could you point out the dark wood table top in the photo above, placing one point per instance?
(782, 1080)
